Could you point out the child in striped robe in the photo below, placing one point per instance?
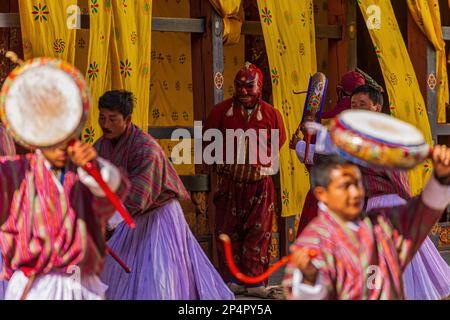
(362, 255)
(52, 223)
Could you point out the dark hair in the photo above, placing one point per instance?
(374, 94)
(121, 101)
(321, 172)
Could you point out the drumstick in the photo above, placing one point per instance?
(117, 258)
(91, 169)
(256, 279)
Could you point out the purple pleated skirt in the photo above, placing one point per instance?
(166, 260)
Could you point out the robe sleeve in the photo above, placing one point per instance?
(413, 221)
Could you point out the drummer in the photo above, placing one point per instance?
(362, 256)
(52, 219)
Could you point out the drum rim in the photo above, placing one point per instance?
(66, 67)
(341, 123)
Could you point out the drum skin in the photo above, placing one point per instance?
(38, 110)
(380, 151)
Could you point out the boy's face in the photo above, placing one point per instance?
(345, 193)
(56, 156)
(362, 101)
(113, 123)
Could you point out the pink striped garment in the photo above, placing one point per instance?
(43, 230)
(384, 244)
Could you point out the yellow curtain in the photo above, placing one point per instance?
(405, 100)
(289, 35)
(171, 94)
(427, 15)
(232, 23)
(98, 66)
(45, 28)
(130, 48)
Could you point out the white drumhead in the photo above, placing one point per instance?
(382, 127)
(43, 106)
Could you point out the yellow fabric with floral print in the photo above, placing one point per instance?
(130, 49)
(405, 100)
(289, 34)
(45, 28)
(427, 15)
(98, 65)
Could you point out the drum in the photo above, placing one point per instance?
(375, 139)
(44, 103)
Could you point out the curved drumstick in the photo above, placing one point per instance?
(256, 279)
(91, 169)
(118, 260)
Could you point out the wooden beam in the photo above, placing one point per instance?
(187, 25)
(178, 25)
(442, 130)
(166, 132)
(322, 31)
(12, 20)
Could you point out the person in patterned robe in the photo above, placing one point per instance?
(362, 255)
(52, 223)
(245, 197)
(427, 277)
(349, 82)
(166, 260)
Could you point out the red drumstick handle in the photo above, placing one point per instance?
(92, 169)
(117, 258)
(256, 279)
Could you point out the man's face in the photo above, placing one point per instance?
(345, 194)
(56, 156)
(362, 101)
(113, 123)
(247, 92)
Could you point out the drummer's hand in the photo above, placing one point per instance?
(441, 161)
(81, 153)
(302, 260)
(294, 141)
